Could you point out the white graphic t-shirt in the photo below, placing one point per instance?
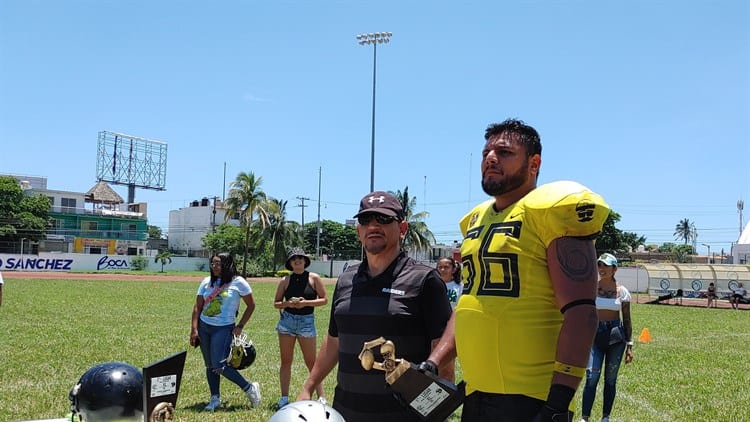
(222, 309)
(454, 292)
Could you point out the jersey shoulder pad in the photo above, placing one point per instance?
(565, 208)
(474, 215)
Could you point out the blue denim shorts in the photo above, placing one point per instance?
(296, 325)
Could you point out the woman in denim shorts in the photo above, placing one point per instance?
(296, 296)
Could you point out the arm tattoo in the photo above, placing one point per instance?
(575, 258)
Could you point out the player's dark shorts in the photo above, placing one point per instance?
(490, 407)
(296, 325)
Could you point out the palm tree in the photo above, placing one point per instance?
(165, 257)
(419, 237)
(685, 230)
(282, 233)
(246, 198)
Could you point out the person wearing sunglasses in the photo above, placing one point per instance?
(388, 294)
(525, 323)
(296, 297)
(212, 327)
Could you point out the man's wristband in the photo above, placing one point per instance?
(575, 371)
(629, 343)
(560, 396)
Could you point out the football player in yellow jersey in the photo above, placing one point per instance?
(524, 325)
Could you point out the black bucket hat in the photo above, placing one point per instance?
(296, 252)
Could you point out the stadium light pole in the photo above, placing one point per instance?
(373, 39)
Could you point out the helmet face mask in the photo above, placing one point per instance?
(306, 410)
(242, 353)
(110, 391)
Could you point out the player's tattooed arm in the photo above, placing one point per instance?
(576, 258)
(572, 270)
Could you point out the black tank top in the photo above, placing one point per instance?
(299, 286)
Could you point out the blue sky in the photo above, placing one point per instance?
(647, 103)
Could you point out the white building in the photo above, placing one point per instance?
(188, 226)
(741, 249)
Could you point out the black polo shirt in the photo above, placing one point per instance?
(407, 304)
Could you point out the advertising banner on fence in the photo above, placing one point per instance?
(90, 262)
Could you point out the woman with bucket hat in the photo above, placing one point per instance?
(296, 296)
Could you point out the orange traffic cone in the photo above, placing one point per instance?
(645, 336)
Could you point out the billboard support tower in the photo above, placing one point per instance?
(131, 161)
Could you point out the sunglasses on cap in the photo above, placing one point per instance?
(365, 219)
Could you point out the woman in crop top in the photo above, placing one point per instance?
(613, 338)
(296, 295)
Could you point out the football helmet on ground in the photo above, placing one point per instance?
(108, 391)
(307, 410)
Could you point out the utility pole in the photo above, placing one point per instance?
(213, 216)
(302, 205)
(317, 241)
(224, 188)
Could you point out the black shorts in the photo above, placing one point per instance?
(490, 407)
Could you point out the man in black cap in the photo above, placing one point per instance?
(388, 295)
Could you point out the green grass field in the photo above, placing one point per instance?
(697, 368)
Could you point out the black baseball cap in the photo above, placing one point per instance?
(382, 203)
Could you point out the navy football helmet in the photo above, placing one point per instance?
(107, 392)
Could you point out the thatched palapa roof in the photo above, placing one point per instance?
(102, 193)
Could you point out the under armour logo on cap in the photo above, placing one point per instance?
(380, 199)
(382, 203)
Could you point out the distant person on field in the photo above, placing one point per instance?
(1, 289)
(212, 327)
(296, 296)
(450, 272)
(737, 295)
(614, 336)
(711, 295)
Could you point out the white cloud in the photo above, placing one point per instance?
(253, 99)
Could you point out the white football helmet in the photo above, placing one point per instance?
(307, 411)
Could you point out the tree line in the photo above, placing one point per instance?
(265, 233)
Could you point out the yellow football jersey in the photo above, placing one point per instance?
(507, 320)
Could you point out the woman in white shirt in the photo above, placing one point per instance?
(212, 327)
(613, 338)
(737, 295)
